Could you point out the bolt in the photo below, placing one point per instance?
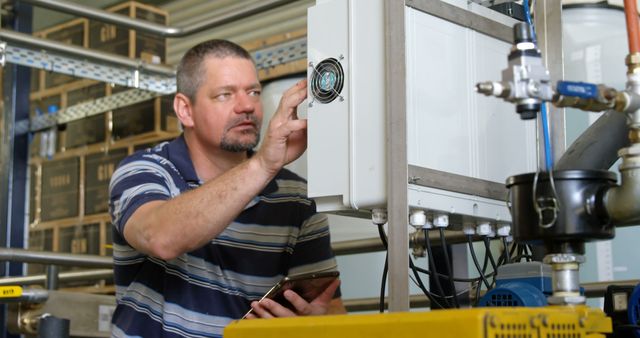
(340, 98)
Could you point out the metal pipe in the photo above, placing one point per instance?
(596, 148)
(53, 277)
(621, 201)
(633, 28)
(15, 37)
(374, 244)
(28, 295)
(63, 277)
(154, 28)
(41, 257)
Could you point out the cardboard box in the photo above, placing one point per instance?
(60, 189)
(98, 171)
(85, 131)
(39, 240)
(155, 115)
(74, 32)
(127, 42)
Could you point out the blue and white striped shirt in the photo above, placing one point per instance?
(198, 293)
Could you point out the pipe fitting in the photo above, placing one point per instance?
(565, 277)
(633, 63)
(620, 201)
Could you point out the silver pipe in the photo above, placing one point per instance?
(29, 295)
(63, 277)
(15, 37)
(374, 244)
(53, 277)
(154, 28)
(596, 148)
(56, 258)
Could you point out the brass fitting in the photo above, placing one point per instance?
(633, 63)
(634, 135)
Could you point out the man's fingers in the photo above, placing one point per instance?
(260, 311)
(327, 294)
(291, 99)
(276, 309)
(302, 306)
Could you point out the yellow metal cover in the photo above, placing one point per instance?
(512, 322)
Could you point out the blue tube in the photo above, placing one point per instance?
(548, 155)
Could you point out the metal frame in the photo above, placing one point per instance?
(397, 175)
(397, 162)
(549, 34)
(27, 50)
(464, 18)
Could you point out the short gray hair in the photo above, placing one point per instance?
(190, 73)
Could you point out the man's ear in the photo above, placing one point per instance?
(184, 110)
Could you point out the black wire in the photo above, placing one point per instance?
(475, 261)
(506, 250)
(520, 257)
(528, 251)
(421, 285)
(447, 262)
(487, 245)
(385, 270)
(429, 295)
(383, 285)
(432, 266)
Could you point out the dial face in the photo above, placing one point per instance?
(327, 80)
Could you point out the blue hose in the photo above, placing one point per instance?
(548, 155)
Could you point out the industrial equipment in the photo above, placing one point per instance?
(541, 322)
(520, 284)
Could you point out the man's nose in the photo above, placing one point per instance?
(244, 104)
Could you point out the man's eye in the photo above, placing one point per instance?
(255, 93)
(223, 96)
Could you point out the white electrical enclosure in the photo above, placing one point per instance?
(457, 139)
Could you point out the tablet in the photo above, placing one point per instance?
(308, 285)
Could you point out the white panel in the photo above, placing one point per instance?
(367, 115)
(451, 128)
(437, 107)
(328, 130)
(506, 144)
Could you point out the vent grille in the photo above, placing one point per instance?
(327, 80)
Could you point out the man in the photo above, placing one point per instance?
(203, 225)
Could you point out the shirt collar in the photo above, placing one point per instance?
(178, 154)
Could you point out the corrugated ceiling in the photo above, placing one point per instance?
(283, 19)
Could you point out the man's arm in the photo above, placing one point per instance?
(167, 229)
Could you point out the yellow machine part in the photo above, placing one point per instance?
(499, 322)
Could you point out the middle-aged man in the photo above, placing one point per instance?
(203, 225)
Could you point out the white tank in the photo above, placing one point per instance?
(595, 46)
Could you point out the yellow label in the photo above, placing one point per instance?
(10, 291)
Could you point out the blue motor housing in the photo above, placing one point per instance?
(520, 284)
(514, 294)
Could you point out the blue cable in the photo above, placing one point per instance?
(548, 155)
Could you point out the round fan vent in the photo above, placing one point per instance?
(327, 80)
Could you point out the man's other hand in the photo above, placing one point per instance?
(268, 308)
(286, 136)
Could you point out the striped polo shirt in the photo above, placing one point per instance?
(198, 293)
